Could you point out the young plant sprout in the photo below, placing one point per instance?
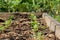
(38, 36)
(34, 22)
(33, 17)
(7, 23)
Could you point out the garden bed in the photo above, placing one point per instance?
(20, 27)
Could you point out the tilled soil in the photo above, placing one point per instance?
(20, 29)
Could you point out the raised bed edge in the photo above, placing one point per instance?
(53, 25)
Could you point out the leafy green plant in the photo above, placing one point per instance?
(50, 6)
(33, 17)
(44, 5)
(7, 23)
(12, 4)
(39, 36)
(11, 17)
(34, 22)
(34, 25)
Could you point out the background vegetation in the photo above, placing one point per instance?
(50, 6)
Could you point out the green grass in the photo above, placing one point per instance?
(30, 5)
(57, 18)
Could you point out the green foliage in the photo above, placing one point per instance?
(2, 28)
(39, 36)
(30, 5)
(34, 25)
(50, 6)
(11, 17)
(12, 4)
(7, 23)
(33, 17)
(34, 22)
(57, 18)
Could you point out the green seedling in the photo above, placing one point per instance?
(38, 36)
(7, 23)
(33, 17)
(34, 25)
(11, 17)
(2, 27)
(34, 22)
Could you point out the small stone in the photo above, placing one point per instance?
(51, 35)
(6, 39)
(17, 37)
(17, 22)
(4, 36)
(12, 33)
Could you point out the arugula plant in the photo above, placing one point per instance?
(38, 36)
(7, 23)
(34, 25)
(33, 17)
(34, 22)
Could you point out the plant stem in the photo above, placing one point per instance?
(33, 2)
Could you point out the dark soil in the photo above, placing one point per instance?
(20, 29)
